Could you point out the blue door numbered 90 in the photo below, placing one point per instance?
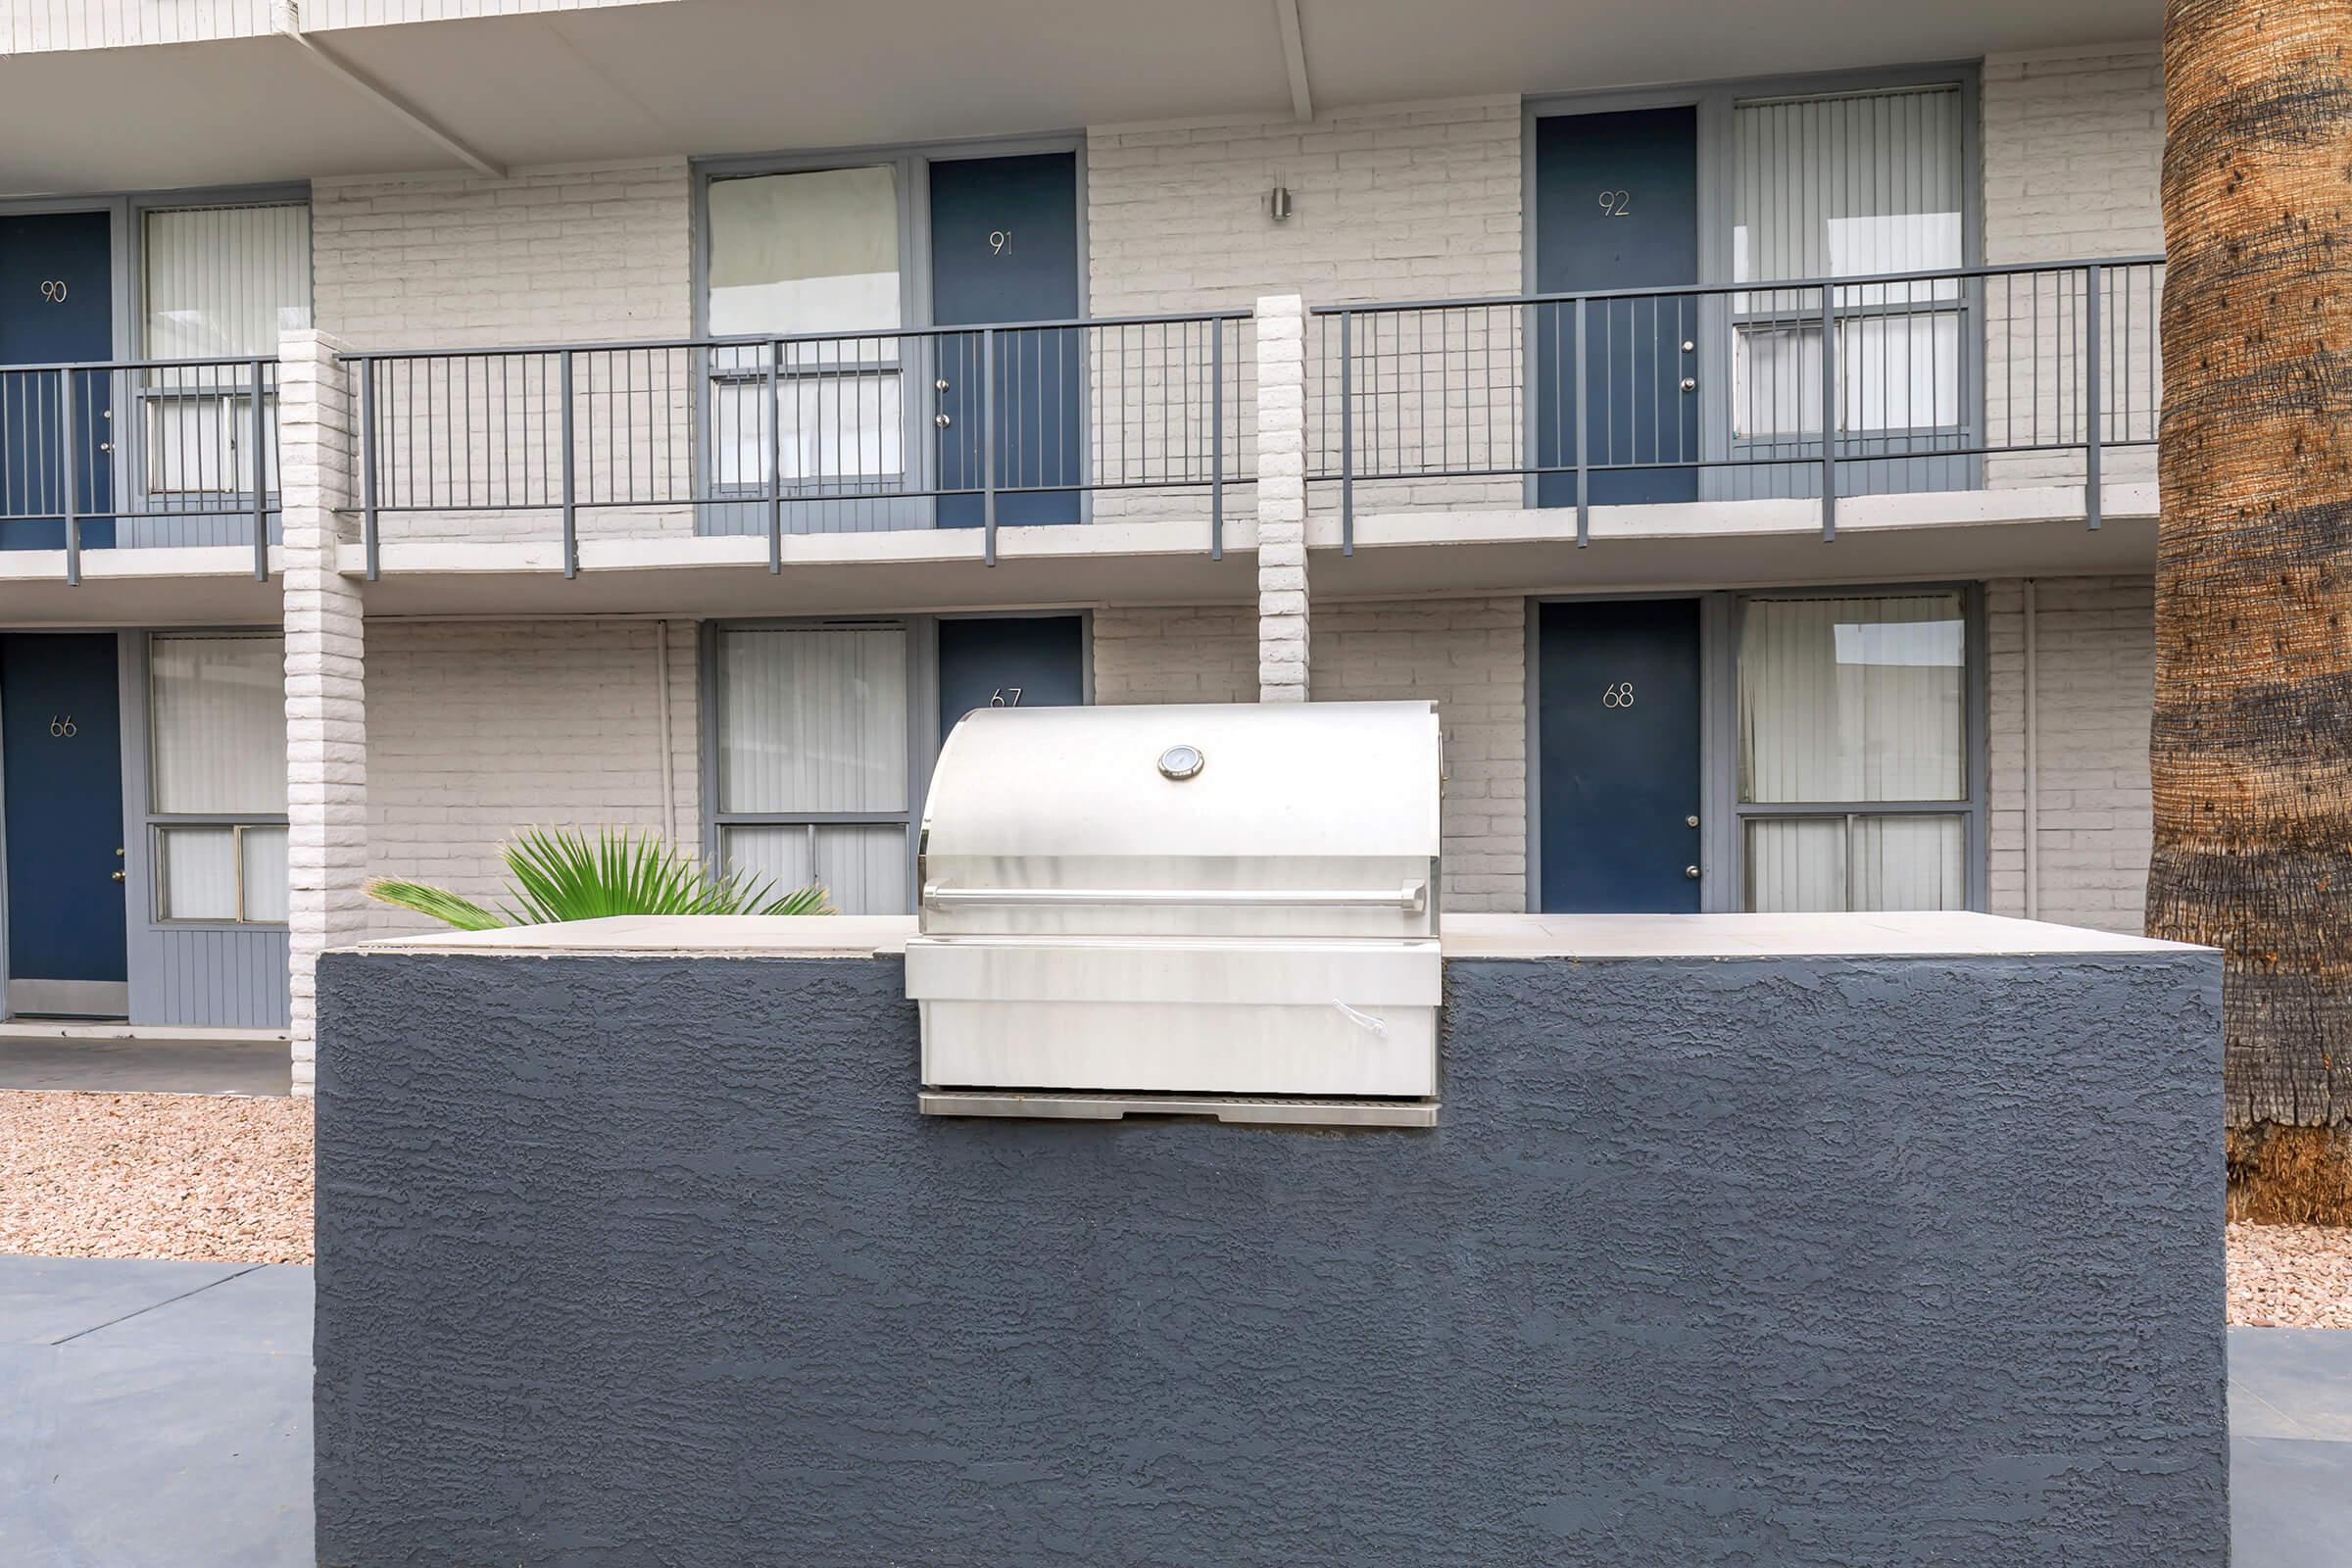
(57, 425)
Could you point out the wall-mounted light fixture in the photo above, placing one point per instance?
(1278, 203)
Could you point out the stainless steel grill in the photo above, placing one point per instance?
(1227, 911)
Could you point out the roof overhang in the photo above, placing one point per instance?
(715, 77)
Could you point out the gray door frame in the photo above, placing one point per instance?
(922, 713)
(1722, 822)
(1714, 102)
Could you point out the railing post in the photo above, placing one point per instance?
(988, 446)
(1216, 438)
(1346, 434)
(775, 459)
(1828, 412)
(571, 518)
(1584, 430)
(2092, 391)
(260, 481)
(370, 544)
(68, 472)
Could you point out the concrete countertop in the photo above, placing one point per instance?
(1466, 936)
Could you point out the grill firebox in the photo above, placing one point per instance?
(1203, 909)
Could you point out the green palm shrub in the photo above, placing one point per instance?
(562, 874)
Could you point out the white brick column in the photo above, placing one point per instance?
(1281, 664)
(326, 715)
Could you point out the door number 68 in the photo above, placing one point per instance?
(1621, 695)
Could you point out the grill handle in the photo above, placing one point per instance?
(1412, 895)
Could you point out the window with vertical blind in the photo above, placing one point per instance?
(215, 281)
(1853, 753)
(798, 254)
(217, 776)
(1849, 186)
(812, 767)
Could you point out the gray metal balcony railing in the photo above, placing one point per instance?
(1723, 391)
(138, 453)
(961, 426)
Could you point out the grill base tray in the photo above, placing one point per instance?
(1070, 1105)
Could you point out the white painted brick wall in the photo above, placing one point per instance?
(574, 254)
(2072, 142)
(1411, 201)
(326, 753)
(1188, 654)
(1398, 202)
(1470, 657)
(477, 729)
(2094, 678)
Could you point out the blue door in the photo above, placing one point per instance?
(56, 307)
(1005, 248)
(61, 774)
(1009, 661)
(1617, 208)
(1617, 689)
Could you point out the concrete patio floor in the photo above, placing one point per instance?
(198, 1063)
(158, 1415)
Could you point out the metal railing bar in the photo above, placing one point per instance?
(1765, 286)
(756, 340)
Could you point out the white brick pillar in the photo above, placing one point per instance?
(1281, 499)
(327, 700)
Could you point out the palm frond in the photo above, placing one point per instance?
(437, 902)
(562, 874)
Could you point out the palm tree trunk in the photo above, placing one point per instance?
(2251, 745)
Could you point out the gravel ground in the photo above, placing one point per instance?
(190, 1176)
(228, 1180)
(2291, 1276)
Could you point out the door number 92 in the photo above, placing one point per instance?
(1616, 203)
(1620, 695)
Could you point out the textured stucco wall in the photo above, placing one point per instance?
(1867, 1262)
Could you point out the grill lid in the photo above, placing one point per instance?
(1242, 819)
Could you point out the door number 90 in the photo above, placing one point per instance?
(1621, 695)
(52, 289)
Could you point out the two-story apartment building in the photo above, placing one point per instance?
(676, 414)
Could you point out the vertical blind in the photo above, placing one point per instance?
(1852, 700)
(813, 722)
(1845, 187)
(807, 253)
(219, 722)
(225, 281)
(861, 867)
(1858, 701)
(217, 748)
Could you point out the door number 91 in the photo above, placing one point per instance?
(999, 242)
(1621, 695)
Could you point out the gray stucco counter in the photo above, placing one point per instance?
(1869, 1240)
